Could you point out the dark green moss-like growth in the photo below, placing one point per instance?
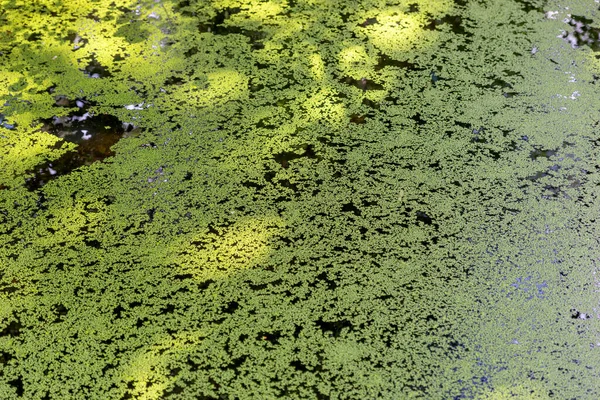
(310, 199)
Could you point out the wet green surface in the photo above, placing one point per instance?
(303, 199)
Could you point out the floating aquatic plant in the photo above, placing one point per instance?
(298, 199)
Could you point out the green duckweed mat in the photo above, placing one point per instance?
(300, 199)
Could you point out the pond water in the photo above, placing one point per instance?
(313, 199)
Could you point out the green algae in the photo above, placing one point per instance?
(323, 200)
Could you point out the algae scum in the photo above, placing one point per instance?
(311, 199)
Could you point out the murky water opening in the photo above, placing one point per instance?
(93, 134)
(4, 123)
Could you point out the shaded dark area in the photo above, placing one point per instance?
(94, 136)
(96, 70)
(532, 5)
(542, 153)
(61, 312)
(424, 218)
(369, 21)
(13, 329)
(285, 157)
(334, 327)
(218, 26)
(453, 21)
(363, 84)
(17, 384)
(386, 61)
(5, 124)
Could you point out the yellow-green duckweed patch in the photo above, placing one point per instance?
(299, 199)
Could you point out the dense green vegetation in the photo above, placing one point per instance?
(222, 199)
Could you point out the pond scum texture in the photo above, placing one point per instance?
(310, 199)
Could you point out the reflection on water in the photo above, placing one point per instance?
(582, 33)
(93, 134)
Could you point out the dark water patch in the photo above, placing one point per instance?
(61, 312)
(96, 70)
(298, 366)
(463, 124)
(77, 41)
(478, 135)
(215, 25)
(537, 176)
(231, 307)
(13, 329)
(287, 184)
(255, 185)
(412, 8)
(583, 33)
(368, 21)
(94, 136)
(496, 83)
(323, 280)
(542, 153)
(363, 83)
(334, 328)
(118, 57)
(532, 5)
(8, 289)
(17, 384)
(168, 309)
(424, 218)
(34, 37)
(285, 157)
(4, 124)
(435, 77)
(351, 208)
(418, 119)
(81, 103)
(271, 337)
(255, 87)
(175, 80)
(93, 243)
(510, 73)
(358, 119)
(118, 312)
(371, 104)
(205, 284)
(386, 61)
(182, 277)
(5, 357)
(454, 21)
(93, 16)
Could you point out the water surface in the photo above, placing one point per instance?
(299, 199)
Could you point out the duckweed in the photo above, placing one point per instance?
(304, 199)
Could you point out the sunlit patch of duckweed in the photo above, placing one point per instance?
(299, 199)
